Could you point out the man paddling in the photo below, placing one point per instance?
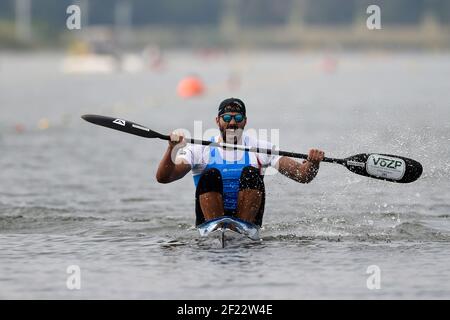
(230, 182)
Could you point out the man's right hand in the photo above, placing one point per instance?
(177, 139)
(169, 168)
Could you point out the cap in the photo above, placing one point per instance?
(232, 105)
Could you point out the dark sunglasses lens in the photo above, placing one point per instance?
(238, 117)
(226, 117)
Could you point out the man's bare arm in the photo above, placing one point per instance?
(301, 172)
(169, 169)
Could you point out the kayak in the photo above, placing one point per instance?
(229, 229)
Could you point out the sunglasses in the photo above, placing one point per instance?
(237, 117)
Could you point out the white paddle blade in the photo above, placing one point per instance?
(385, 167)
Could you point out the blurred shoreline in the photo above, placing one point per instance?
(427, 37)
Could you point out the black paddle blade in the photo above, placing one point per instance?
(123, 125)
(384, 167)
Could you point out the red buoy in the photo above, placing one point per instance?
(190, 87)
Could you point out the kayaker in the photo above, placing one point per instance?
(230, 182)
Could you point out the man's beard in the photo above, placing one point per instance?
(232, 135)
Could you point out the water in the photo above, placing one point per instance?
(78, 194)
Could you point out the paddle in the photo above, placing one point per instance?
(374, 165)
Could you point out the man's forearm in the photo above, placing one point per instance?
(303, 172)
(166, 166)
(300, 172)
(308, 171)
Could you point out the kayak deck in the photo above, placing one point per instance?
(229, 229)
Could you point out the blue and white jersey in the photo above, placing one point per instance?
(198, 156)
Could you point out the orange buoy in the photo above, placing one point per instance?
(190, 87)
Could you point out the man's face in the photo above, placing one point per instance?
(231, 131)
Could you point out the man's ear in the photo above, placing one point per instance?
(217, 120)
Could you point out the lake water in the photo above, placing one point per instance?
(76, 194)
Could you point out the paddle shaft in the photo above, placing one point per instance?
(142, 131)
(257, 150)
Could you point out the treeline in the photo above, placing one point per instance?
(245, 12)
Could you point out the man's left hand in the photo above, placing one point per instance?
(315, 156)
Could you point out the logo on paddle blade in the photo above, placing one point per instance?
(120, 122)
(385, 167)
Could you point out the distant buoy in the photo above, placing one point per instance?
(43, 124)
(19, 128)
(190, 87)
(154, 58)
(329, 64)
